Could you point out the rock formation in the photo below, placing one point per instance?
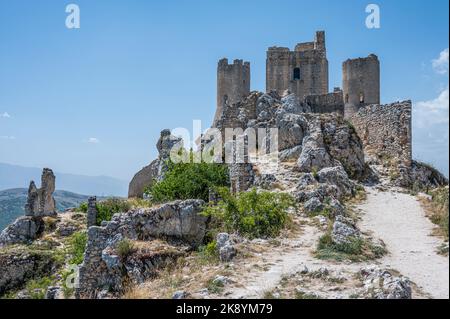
(178, 222)
(40, 202)
(155, 170)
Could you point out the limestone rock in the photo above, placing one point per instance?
(156, 169)
(337, 176)
(40, 202)
(225, 247)
(381, 284)
(313, 205)
(178, 222)
(22, 231)
(344, 230)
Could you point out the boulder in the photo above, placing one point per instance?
(381, 284)
(144, 178)
(344, 230)
(22, 231)
(225, 247)
(337, 176)
(313, 205)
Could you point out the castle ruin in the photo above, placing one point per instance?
(303, 72)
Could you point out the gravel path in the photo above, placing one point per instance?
(399, 220)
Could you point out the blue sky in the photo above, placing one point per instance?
(93, 100)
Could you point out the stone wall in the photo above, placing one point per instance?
(360, 83)
(326, 103)
(303, 71)
(385, 131)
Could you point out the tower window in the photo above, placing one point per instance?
(361, 98)
(346, 98)
(297, 74)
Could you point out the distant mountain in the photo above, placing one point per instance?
(12, 202)
(13, 176)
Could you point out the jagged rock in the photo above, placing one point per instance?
(313, 205)
(419, 176)
(225, 247)
(305, 180)
(265, 181)
(321, 191)
(40, 202)
(344, 230)
(290, 154)
(22, 231)
(314, 155)
(19, 265)
(336, 208)
(156, 170)
(381, 284)
(337, 176)
(291, 128)
(179, 222)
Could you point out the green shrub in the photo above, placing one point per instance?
(253, 214)
(124, 248)
(83, 208)
(38, 287)
(107, 208)
(76, 247)
(188, 181)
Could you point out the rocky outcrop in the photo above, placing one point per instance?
(344, 230)
(40, 202)
(23, 231)
(225, 247)
(178, 222)
(19, 266)
(419, 176)
(382, 284)
(155, 171)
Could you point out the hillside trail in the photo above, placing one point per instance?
(400, 221)
(396, 218)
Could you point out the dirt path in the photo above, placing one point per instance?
(399, 220)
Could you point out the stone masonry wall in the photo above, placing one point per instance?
(326, 103)
(385, 131)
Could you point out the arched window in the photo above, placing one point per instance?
(297, 74)
(346, 98)
(361, 98)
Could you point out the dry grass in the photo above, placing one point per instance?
(437, 209)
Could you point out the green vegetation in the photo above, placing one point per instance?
(215, 286)
(208, 254)
(439, 209)
(356, 249)
(188, 180)
(83, 208)
(37, 288)
(252, 214)
(107, 208)
(76, 247)
(124, 248)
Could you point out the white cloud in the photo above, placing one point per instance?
(93, 140)
(5, 115)
(6, 137)
(440, 65)
(434, 111)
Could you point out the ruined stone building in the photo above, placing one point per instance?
(303, 72)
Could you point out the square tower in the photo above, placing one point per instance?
(303, 71)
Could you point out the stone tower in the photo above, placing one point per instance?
(233, 84)
(361, 83)
(303, 71)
